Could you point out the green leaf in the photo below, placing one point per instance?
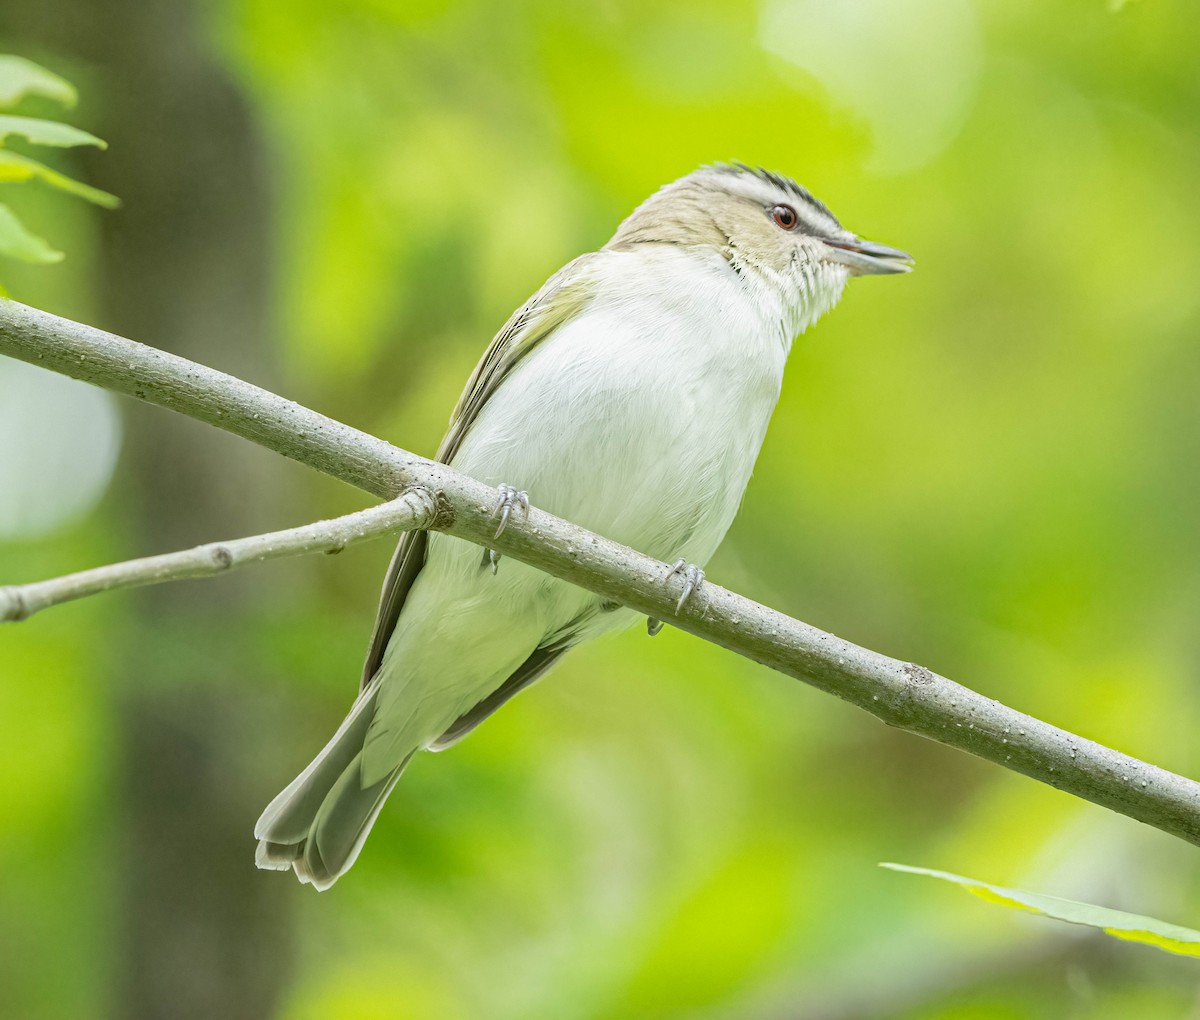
(14, 167)
(20, 78)
(17, 242)
(1118, 923)
(46, 132)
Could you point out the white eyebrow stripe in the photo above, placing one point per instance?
(815, 219)
(768, 189)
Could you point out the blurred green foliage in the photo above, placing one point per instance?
(989, 466)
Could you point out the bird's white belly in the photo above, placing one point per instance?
(640, 419)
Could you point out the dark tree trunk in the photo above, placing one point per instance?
(183, 265)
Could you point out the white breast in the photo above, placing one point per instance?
(642, 417)
(639, 419)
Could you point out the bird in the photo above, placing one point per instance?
(630, 395)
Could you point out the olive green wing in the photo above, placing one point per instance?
(539, 661)
(559, 299)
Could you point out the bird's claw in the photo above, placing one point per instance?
(509, 498)
(653, 626)
(692, 576)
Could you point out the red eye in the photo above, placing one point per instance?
(785, 216)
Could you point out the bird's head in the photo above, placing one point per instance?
(762, 222)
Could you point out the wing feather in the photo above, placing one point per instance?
(539, 661)
(560, 298)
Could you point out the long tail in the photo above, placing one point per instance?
(319, 823)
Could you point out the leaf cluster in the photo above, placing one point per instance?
(19, 79)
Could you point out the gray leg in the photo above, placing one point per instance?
(692, 576)
(509, 498)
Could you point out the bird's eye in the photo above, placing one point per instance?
(785, 217)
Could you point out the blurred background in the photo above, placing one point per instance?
(988, 467)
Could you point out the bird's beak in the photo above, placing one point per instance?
(866, 258)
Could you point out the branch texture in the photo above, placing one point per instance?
(902, 694)
(416, 508)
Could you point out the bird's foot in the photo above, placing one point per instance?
(510, 498)
(692, 576)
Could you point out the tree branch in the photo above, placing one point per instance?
(900, 693)
(415, 508)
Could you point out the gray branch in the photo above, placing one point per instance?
(902, 694)
(415, 508)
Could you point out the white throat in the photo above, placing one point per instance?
(797, 297)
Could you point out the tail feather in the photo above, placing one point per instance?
(342, 825)
(319, 823)
(288, 817)
(276, 856)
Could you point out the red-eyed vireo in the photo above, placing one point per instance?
(631, 395)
